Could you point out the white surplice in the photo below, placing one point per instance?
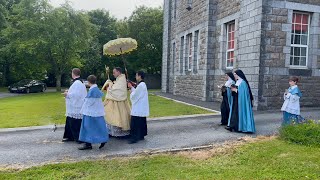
(75, 99)
(140, 101)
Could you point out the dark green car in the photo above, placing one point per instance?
(27, 86)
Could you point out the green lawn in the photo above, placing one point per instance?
(3, 89)
(271, 159)
(49, 108)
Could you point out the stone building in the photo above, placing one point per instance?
(270, 40)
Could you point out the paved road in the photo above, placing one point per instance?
(28, 148)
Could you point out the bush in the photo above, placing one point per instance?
(307, 133)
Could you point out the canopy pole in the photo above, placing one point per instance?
(124, 63)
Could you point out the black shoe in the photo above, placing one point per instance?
(80, 142)
(67, 140)
(102, 145)
(132, 141)
(85, 147)
(141, 139)
(228, 128)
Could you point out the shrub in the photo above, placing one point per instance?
(307, 133)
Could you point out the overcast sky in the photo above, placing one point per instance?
(118, 8)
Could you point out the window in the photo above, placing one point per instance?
(299, 39)
(181, 54)
(196, 51)
(173, 56)
(230, 45)
(190, 51)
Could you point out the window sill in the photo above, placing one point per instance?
(298, 67)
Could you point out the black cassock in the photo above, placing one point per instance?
(72, 129)
(224, 107)
(234, 119)
(138, 128)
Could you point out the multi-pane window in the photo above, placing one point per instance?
(181, 53)
(173, 56)
(196, 51)
(299, 39)
(190, 51)
(230, 44)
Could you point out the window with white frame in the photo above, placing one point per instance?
(181, 54)
(299, 39)
(173, 56)
(196, 51)
(190, 51)
(230, 45)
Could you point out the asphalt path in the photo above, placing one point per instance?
(37, 147)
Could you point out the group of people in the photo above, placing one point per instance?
(237, 103)
(89, 120)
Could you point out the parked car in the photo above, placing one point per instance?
(86, 83)
(27, 86)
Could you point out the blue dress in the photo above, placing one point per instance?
(93, 127)
(289, 118)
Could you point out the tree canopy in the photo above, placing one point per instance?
(40, 41)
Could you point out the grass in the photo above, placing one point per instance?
(3, 89)
(271, 159)
(49, 108)
(307, 134)
(32, 110)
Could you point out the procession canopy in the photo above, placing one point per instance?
(120, 46)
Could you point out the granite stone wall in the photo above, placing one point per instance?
(262, 48)
(275, 54)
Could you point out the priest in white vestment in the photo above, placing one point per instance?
(75, 97)
(116, 105)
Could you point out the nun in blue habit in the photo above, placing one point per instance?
(226, 98)
(241, 115)
(93, 127)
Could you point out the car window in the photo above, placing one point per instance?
(25, 81)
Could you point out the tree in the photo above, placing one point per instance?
(15, 61)
(48, 39)
(66, 35)
(104, 25)
(146, 26)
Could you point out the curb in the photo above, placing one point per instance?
(32, 128)
(183, 117)
(214, 111)
(46, 127)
